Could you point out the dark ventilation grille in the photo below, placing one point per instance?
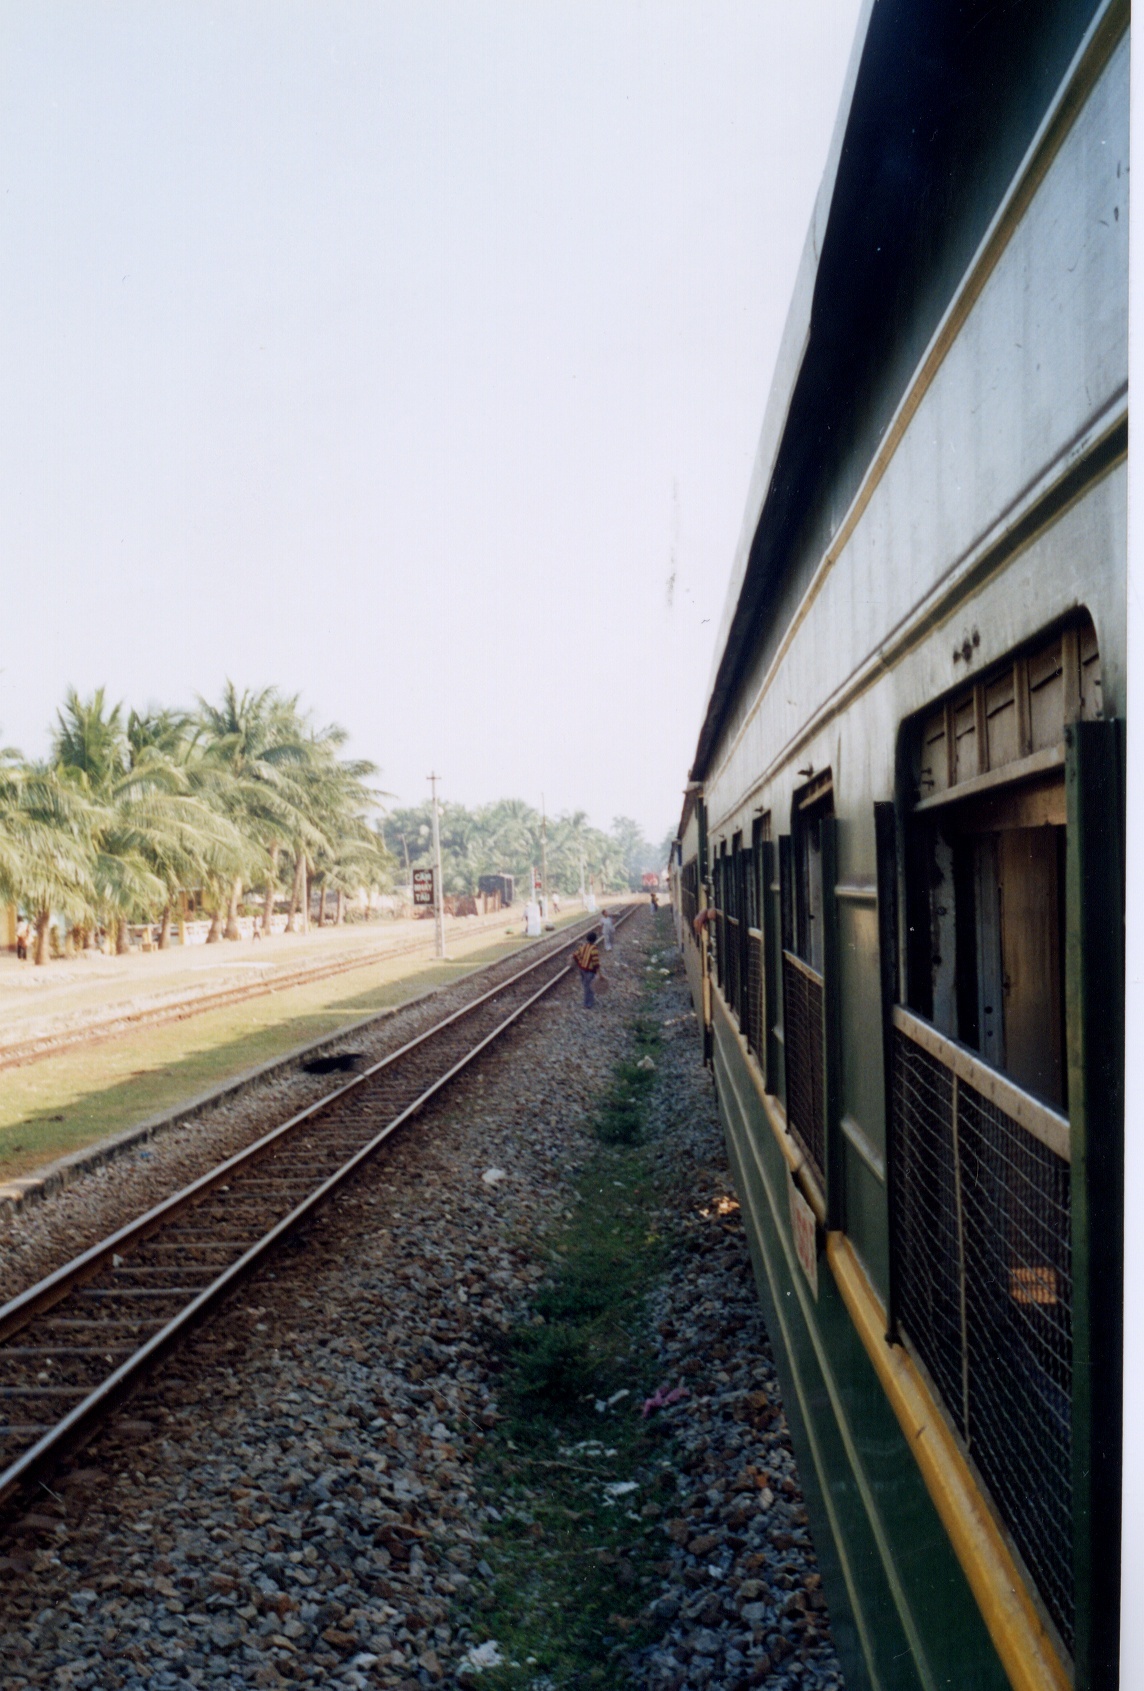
(755, 992)
(983, 1283)
(802, 1032)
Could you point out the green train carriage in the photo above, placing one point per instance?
(899, 873)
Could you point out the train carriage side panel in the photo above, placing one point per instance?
(992, 516)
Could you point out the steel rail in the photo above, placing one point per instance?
(39, 1298)
(98, 1401)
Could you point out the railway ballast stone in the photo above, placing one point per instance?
(741, 1599)
(295, 1500)
(102, 1191)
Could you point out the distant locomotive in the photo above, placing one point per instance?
(899, 871)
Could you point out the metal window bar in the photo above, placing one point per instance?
(805, 1075)
(980, 1233)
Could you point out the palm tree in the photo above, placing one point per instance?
(47, 834)
(289, 789)
(154, 833)
(91, 756)
(259, 743)
(346, 852)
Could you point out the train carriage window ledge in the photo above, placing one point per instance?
(980, 1138)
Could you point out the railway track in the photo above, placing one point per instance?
(76, 1343)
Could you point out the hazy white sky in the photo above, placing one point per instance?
(411, 356)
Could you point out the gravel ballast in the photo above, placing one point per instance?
(298, 1498)
(36, 1239)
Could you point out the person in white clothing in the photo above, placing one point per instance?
(609, 929)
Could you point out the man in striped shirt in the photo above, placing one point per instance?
(587, 959)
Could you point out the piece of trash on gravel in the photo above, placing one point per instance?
(661, 1398)
(493, 1176)
(620, 1488)
(645, 1063)
(481, 1656)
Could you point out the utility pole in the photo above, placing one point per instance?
(581, 880)
(438, 890)
(544, 854)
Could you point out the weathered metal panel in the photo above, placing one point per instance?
(1042, 355)
(1000, 510)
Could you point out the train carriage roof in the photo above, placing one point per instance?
(939, 105)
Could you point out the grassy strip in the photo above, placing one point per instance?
(60, 1103)
(578, 1479)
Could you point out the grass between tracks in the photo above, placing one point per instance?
(60, 1103)
(578, 1477)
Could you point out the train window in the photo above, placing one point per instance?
(812, 806)
(985, 859)
(689, 893)
(770, 890)
(756, 958)
(803, 956)
(721, 879)
(979, 1136)
(737, 937)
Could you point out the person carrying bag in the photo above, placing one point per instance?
(587, 959)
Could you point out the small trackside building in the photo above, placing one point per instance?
(899, 871)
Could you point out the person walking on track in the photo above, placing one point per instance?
(587, 959)
(609, 927)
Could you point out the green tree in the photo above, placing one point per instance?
(634, 849)
(47, 845)
(267, 763)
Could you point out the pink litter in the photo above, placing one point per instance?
(662, 1398)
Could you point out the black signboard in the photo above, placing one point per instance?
(423, 886)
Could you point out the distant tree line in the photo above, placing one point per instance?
(505, 838)
(132, 813)
(136, 817)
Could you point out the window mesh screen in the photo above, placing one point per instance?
(983, 1283)
(805, 1081)
(755, 994)
(927, 1279)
